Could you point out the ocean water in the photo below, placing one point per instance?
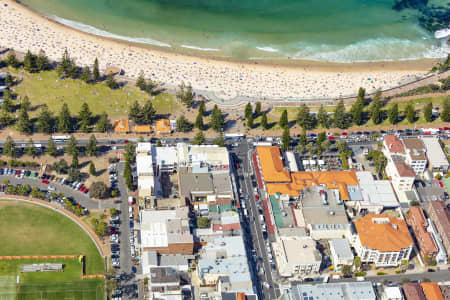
(323, 30)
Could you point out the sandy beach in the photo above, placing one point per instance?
(23, 29)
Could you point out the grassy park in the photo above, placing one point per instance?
(35, 230)
(47, 88)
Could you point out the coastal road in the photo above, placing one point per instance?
(438, 276)
(272, 290)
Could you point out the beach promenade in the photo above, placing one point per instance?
(22, 30)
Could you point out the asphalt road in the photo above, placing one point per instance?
(79, 197)
(128, 282)
(242, 151)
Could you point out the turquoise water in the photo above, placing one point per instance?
(325, 30)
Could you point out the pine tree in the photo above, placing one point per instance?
(42, 63)
(199, 121)
(85, 118)
(410, 113)
(322, 117)
(264, 122)
(140, 82)
(51, 148)
(91, 147)
(127, 174)
(25, 104)
(188, 98)
(95, 71)
(24, 124)
(356, 111)
(148, 113)
(7, 105)
(6, 118)
(393, 114)
(285, 139)
(428, 112)
(92, 169)
(248, 110)
(201, 108)
(199, 138)
(31, 149)
(64, 67)
(135, 112)
(75, 163)
(361, 95)
(45, 120)
(283, 119)
(11, 59)
(340, 116)
(220, 141)
(111, 82)
(9, 80)
(304, 118)
(445, 115)
(376, 112)
(10, 148)
(86, 75)
(217, 119)
(183, 125)
(103, 123)
(71, 146)
(29, 62)
(64, 119)
(250, 121)
(257, 109)
(303, 140)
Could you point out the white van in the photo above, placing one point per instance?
(245, 212)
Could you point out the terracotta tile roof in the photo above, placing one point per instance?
(416, 148)
(272, 165)
(121, 126)
(394, 144)
(416, 219)
(413, 291)
(163, 126)
(226, 227)
(142, 128)
(299, 180)
(383, 233)
(404, 170)
(432, 291)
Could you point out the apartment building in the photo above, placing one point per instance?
(382, 240)
(415, 154)
(439, 214)
(436, 156)
(416, 220)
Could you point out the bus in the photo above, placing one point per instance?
(60, 138)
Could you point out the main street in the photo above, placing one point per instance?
(270, 288)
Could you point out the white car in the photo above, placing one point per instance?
(51, 188)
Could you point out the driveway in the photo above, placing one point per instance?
(79, 197)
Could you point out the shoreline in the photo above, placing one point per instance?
(220, 77)
(415, 64)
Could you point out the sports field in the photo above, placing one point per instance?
(35, 230)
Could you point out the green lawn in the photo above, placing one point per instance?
(48, 285)
(47, 88)
(34, 230)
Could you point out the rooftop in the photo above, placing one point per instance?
(413, 291)
(300, 250)
(435, 154)
(415, 148)
(164, 275)
(332, 291)
(442, 214)
(394, 144)
(144, 165)
(163, 126)
(164, 155)
(121, 126)
(211, 154)
(383, 232)
(376, 192)
(196, 183)
(271, 164)
(142, 128)
(416, 219)
(404, 170)
(222, 183)
(341, 248)
(393, 292)
(432, 291)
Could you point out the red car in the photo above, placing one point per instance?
(331, 138)
(256, 197)
(45, 181)
(86, 190)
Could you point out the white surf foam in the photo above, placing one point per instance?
(199, 48)
(268, 49)
(103, 33)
